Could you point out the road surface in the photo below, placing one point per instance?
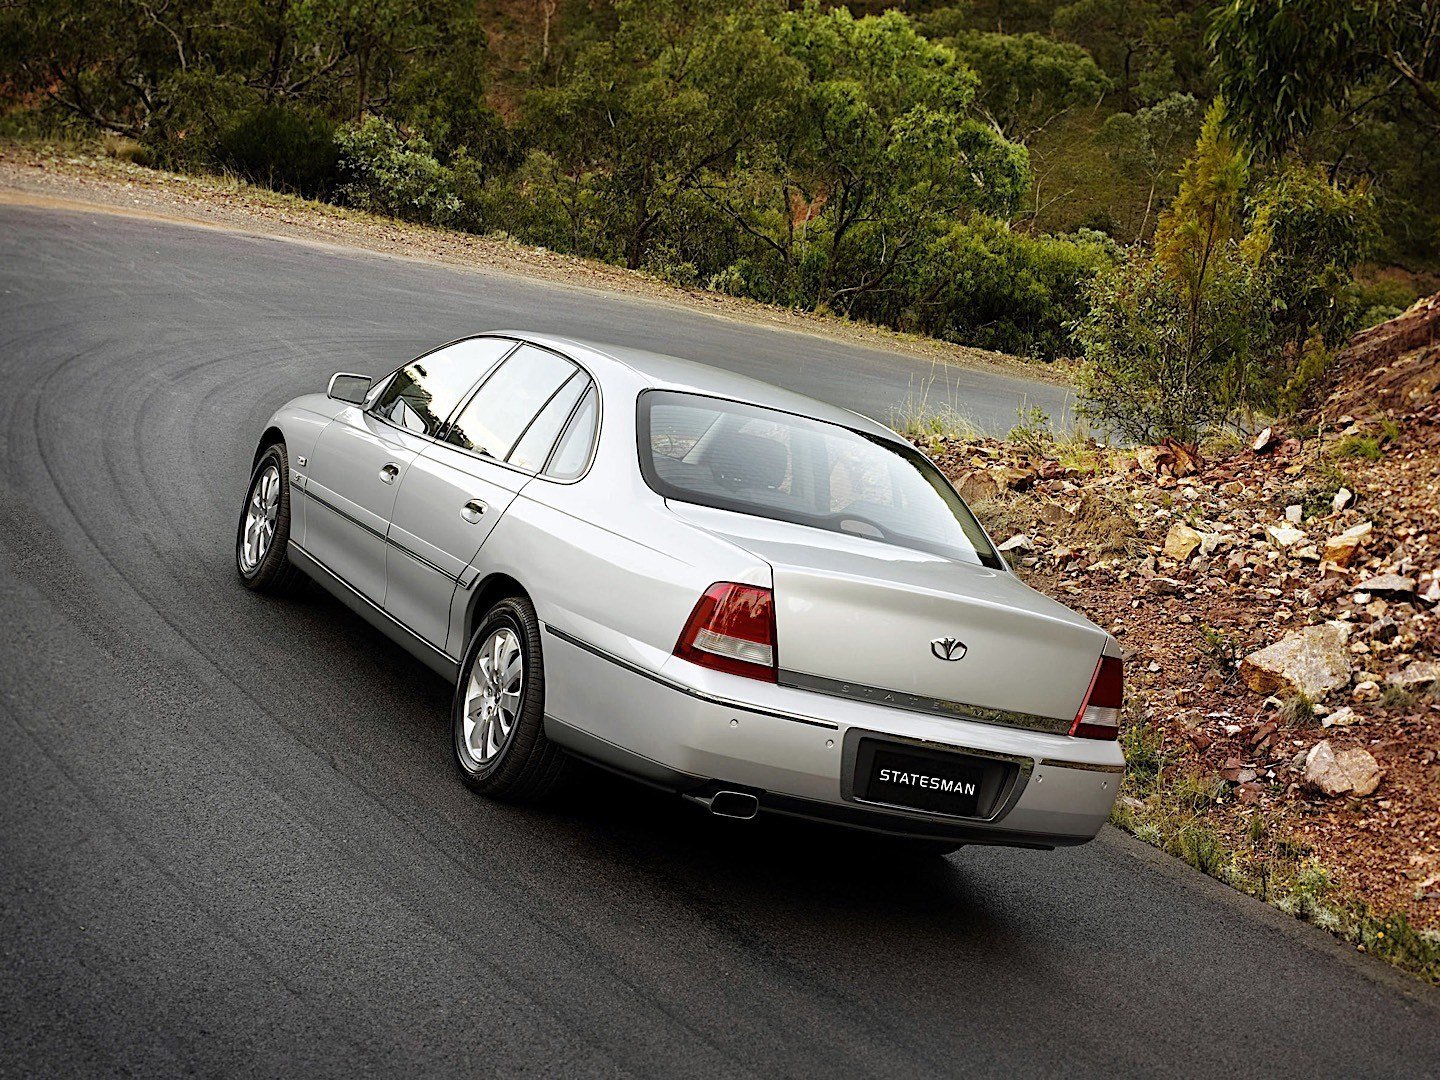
(232, 841)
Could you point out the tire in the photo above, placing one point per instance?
(262, 539)
(514, 763)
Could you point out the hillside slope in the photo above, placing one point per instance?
(1279, 602)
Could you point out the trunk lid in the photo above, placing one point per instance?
(868, 620)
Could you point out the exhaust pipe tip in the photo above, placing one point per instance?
(739, 805)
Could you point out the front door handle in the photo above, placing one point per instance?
(473, 511)
(388, 472)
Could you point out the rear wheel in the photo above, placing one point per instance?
(262, 538)
(498, 716)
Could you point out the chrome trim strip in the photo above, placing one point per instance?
(376, 608)
(421, 559)
(388, 541)
(1050, 763)
(348, 517)
(712, 699)
(952, 710)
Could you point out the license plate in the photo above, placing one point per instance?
(940, 783)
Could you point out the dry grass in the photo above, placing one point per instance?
(1102, 526)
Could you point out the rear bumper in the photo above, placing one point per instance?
(795, 750)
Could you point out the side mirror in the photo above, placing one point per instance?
(349, 388)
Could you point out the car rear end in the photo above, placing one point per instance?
(892, 674)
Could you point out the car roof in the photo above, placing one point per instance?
(662, 372)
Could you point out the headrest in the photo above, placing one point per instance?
(750, 461)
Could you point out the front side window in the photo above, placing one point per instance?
(421, 395)
(492, 422)
(767, 463)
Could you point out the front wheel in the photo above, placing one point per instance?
(262, 538)
(498, 716)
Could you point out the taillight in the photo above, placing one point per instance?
(1099, 716)
(732, 629)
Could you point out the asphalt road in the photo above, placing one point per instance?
(231, 840)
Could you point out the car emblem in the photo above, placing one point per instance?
(949, 648)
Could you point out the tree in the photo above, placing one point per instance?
(1204, 221)
(1151, 142)
(152, 69)
(1028, 80)
(1170, 336)
(1231, 309)
(1122, 35)
(877, 152)
(678, 90)
(1282, 65)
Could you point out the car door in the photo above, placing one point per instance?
(458, 488)
(360, 459)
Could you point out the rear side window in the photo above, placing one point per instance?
(492, 422)
(773, 464)
(534, 446)
(572, 453)
(422, 394)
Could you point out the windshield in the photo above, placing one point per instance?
(779, 465)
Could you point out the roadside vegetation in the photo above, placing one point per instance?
(1113, 182)
(1174, 805)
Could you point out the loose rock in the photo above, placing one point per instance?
(1284, 536)
(1312, 661)
(1419, 673)
(1341, 717)
(1341, 550)
(1387, 583)
(1181, 542)
(1350, 772)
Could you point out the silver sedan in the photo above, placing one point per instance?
(745, 596)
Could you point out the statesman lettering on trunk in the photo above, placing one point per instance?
(915, 779)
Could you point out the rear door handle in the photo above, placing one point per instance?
(388, 472)
(473, 511)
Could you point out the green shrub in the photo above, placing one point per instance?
(1313, 358)
(385, 172)
(1306, 236)
(982, 283)
(1157, 364)
(1384, 292)
(1232, 311)
(287, 148)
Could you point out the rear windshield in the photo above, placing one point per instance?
(773, 464)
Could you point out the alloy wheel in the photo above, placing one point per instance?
(261, 513)
(492, 696)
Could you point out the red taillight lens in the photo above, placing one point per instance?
(732, 629)
(1099, 716)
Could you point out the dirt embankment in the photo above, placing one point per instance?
(1281, 604)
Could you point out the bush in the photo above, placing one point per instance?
(385, 172)
(1155, 366)
(1306, 235)
(287, 148)
(1232, 311)
(981, 283)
